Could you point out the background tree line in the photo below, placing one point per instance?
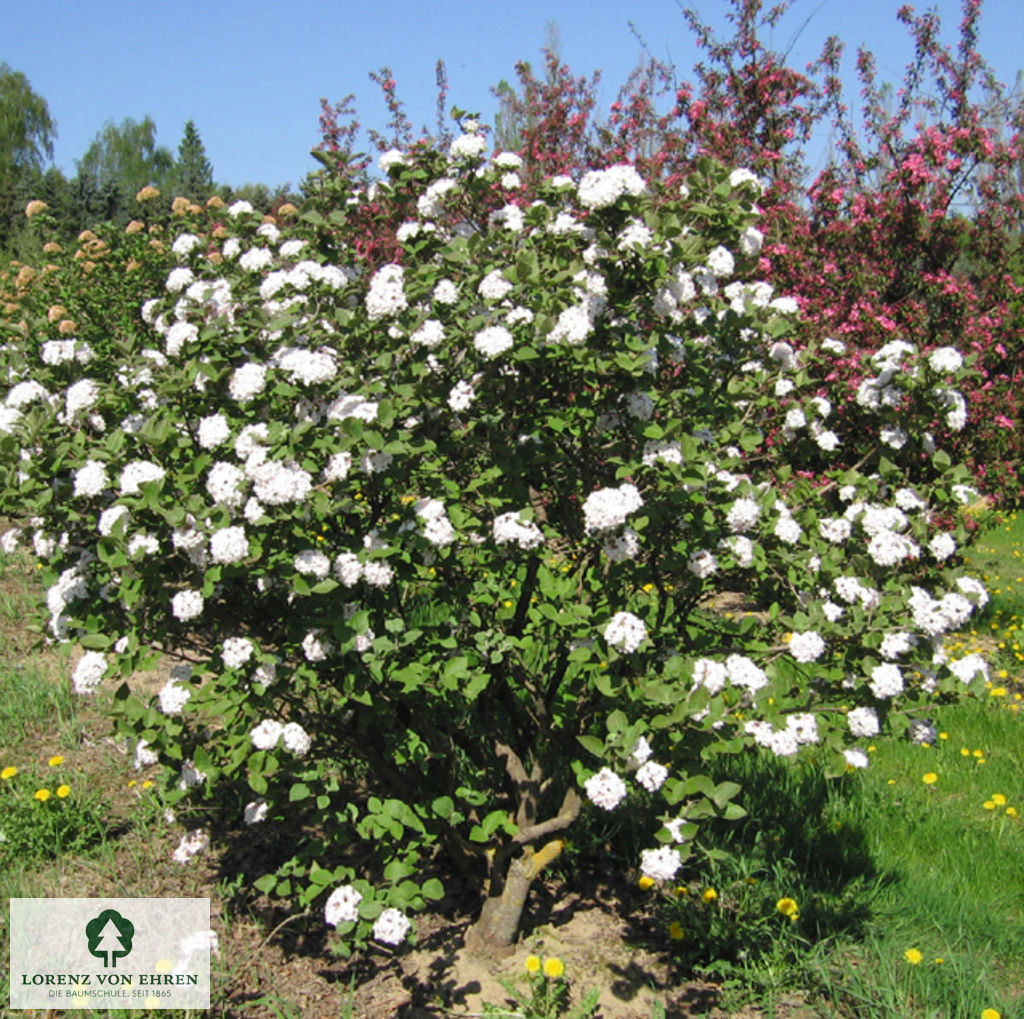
(122, 159)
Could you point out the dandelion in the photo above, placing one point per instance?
(913, 956)
(645, 882)
(63, 791)
(991, 1013)
(553, 968)
(675, 931)
(929, 778)
(532, 965)
(42, 795)
(56, 760)
(9, 772)
(999, 800)
(709, 895)
(788, 907)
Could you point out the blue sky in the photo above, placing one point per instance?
(251, 74)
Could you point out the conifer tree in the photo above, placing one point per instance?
(193, 174)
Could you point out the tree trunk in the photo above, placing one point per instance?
(494, 933)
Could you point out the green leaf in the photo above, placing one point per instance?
(432, 889)
(319, 876)
(298, 792)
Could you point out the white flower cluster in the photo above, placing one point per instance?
(660, 864)
(608, 507)
(342, 906)
(806, 647)
(386, 296)
(510, 528)
(625, 632)
(391, 927)
(605, 789)
(192, 844)
(91, 668)
(269, 732)
(600, 188)
(437, 528)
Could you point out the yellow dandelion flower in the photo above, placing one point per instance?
(9, 772)
(681, 890)
(645, 882)
(943, 735)
(999, 799)
(553, 968)
(929, 778)
(1011, 811)
(147, 784)
(709, 895)
(42, 795)
(977, 753)
(55, 760)
(997, 691)
(989, 805)
(788, 907)
(964, 752)
(532, 964)
(913, 956)
(991, 1013)
(63, 791)
(675, 931)
(939, 960)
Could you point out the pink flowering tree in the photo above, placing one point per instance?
(906, 235)
(438, 541)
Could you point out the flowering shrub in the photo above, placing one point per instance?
(438, 541)
(911, 231)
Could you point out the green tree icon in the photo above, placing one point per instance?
(110, 936)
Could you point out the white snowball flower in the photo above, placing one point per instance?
(296, 739)
(229, 545)
(173, 697)
(660, 864)
(193, 843)
(493, 340)
(605, 789)
(342, 906)
(91, 479)
(863, 722)
(651, 775)
(625, 632)
(600, 188)
(856, 758)
(88, 673)
(236, 651)
(391, 927)
(186, 605)
(886, 681)
(266, 735)
(806, 647)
